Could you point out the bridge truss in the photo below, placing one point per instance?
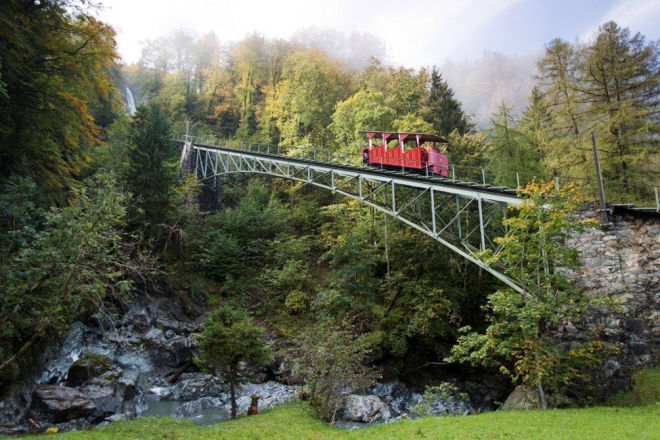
(463, 216)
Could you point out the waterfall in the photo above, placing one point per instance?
(130, 101)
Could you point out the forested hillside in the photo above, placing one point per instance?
(95, 213)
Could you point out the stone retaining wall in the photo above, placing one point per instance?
(623, 260)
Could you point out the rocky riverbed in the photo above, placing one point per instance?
(139, 363)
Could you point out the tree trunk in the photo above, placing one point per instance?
(542, 400)
(232, 392)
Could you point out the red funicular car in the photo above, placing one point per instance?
(420, 158)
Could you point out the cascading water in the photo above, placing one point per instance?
(130, 101)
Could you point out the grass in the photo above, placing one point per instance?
(638, 417)
(646, 390)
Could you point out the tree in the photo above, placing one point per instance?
(468, 149)
(304, 100)
(229, 338)
(412, 123)
(535, 127)
(150, 173)
(404, 89)
(558, 75)
(241, 238)
(521, 337)
(331, 361)
(621, 89)
(508, 150)
(79, 256)
(54, 68)
(609, 86)
(112, 155)
(362, 111)
(442, 109)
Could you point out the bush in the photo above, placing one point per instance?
(332, 362)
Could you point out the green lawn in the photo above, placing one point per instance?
(295, 421)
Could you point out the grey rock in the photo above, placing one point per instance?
(13, 405)
(106, 401)
(88, 366)
(365, 409)
(194, 407)
(60, 404)
(192, 386)
(117, 417)
(270, 394)
(523, 397)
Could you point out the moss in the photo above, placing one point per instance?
(88, 366)
(94, 361)
(114, 375)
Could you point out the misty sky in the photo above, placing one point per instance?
(416, 32)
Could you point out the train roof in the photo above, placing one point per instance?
(423, 137)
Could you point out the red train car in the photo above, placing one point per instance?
(421, 159)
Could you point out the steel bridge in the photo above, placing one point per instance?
(463, 216)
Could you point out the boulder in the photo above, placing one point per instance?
(106, 401)
(89, 366)
(270, 393)
(192, 386)
(111, 391)
(396, 395)
(167, 349)
(523, 397)
(365, 409)
(12, 406)
(60, 404)
(194, 407)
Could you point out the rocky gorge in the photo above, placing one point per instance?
(136, 358)
(140, 363)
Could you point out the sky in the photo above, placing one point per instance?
(416, 32)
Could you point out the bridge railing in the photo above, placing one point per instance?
(615, 192)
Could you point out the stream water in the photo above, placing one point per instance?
(206, 416)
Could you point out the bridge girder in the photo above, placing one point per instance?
(465, 219)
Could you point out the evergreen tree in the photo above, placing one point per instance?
(558, 71)
(150, 173)
(535, 128)
(229, 338)
(507, 149)
(621, 87)
(442, 109)
(570, 150)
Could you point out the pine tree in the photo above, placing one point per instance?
(621, 88)
(558, 71)
(229, 338)
(507, 149)
(150, 173)
(569, 150)
(443, 110)
(536, 130)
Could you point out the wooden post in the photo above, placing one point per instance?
(601, 191)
